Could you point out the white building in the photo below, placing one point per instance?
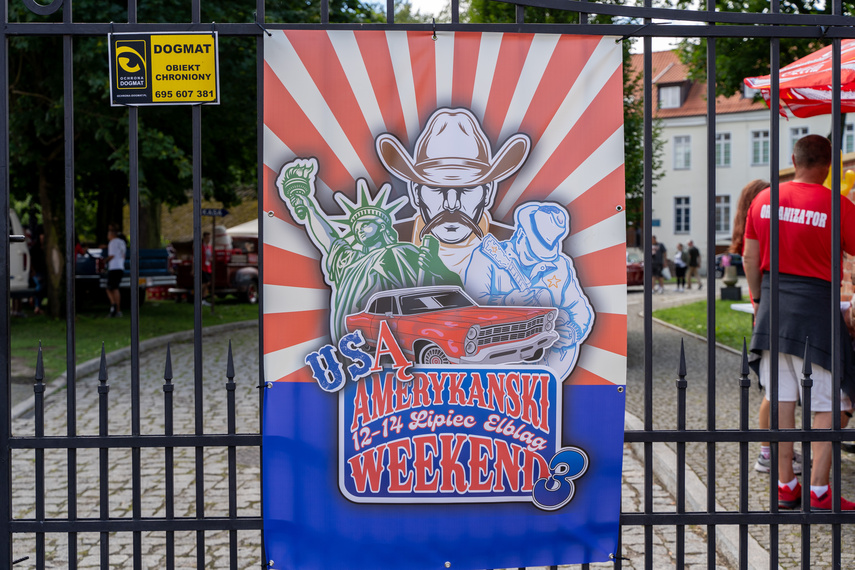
(742, 152)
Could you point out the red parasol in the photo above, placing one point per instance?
(805, 85)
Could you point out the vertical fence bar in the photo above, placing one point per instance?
(648, 290)
(232, 451)
(744, 385)
(169, 455)
(70, 275)
(711, 346)
(197, 313)
(136, 465)
(134, 205)
(197, 337)
(836, 369)
(807, 384)
(773, 281)
(259, 111)
(39, 390)
(104, 458)
(5, 325)
(681, 457)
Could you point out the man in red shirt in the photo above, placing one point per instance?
(805, 287)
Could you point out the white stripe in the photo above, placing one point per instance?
(539, 56)
(288, 67)
(281, 234)
(283, 362)
(399, 50)
(488, 56)
(608, 298)
(599, 164)
(347, 49)
(285, 299)
(444, 54)
(603, 363)
(608, 233)
(277, 154)
(602, 64)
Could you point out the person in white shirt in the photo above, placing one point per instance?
(115, 270)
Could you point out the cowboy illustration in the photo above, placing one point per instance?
(361, 252)
(451, 179)
(531, 270)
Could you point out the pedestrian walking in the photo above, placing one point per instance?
(659, 261)
(681, 263)
(694, 265)
(116, 250)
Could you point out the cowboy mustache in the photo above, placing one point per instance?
(451, 217)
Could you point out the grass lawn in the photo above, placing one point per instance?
(157, 318)
(730, 326)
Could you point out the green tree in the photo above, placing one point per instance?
(738, 58)
(101, 177)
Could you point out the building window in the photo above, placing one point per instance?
(682, 153)
(682, 210)
(759, 148)
(722, 214)
(795, 134)
(849, 138)
(669, 97)
(722, 149)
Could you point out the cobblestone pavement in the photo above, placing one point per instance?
(216, 475)
(666, 343)
(666, 350)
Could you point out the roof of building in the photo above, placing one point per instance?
(669, 70)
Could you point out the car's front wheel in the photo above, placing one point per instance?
(432, 354)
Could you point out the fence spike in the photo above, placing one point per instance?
(102, 372)
(167, 372)
(681, 382)
(745, 368)
(40, 367)
(807, 370)
(230, 368)
(744, 380)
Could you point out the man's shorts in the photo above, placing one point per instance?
(790, 382)
(114, 278)
(206, 277)
(657, 270)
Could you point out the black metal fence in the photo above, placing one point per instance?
(150, 523)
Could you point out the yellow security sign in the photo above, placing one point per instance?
(164, 69)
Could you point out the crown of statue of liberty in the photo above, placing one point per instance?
(376, 209)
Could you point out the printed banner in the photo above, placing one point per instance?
(444, 299)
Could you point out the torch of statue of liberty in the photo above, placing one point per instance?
(361, 254)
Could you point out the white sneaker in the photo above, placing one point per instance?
(205, 303)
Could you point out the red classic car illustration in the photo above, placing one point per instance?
(442, 325)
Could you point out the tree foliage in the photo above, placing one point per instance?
(101, 132)
(738, 58)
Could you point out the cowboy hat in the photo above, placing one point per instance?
(452, 152)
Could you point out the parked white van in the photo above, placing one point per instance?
(19, 257)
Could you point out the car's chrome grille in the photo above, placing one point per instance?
(510, 331)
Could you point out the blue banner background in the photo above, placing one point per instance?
(309, 524)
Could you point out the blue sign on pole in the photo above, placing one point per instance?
(215, 212)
